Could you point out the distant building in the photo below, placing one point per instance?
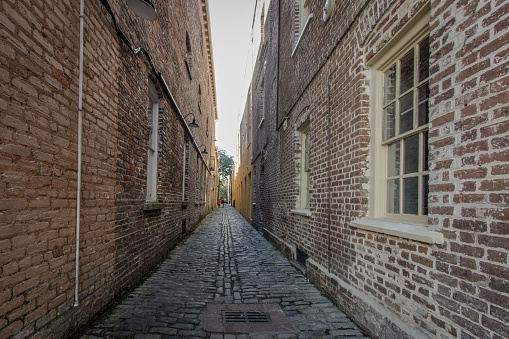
(242, 171)
(146, 179)
(380, 159)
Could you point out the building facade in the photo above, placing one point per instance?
(101, 174)
(380, 159)
(242, 192)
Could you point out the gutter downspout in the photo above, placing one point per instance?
(80, 132)
(278, 52)
(329, 174)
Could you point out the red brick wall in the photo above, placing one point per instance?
(392, 285)
(38, 155)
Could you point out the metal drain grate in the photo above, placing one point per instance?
(236, 317)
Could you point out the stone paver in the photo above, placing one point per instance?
(224, 262)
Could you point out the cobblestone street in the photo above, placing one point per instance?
(225, 269)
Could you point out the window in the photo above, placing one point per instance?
(401, 109)
(303, 14)
(153, 143)
(185, 171)
(405, 131)
(188, 60)
(302, 19)
(304, 167)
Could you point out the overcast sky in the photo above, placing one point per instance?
(231, 22)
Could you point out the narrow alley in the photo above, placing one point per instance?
(205, 285)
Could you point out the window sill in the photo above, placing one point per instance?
(301, 211)
(402, 229)
(153, 205)
(301, 34)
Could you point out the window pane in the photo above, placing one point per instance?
(406, 115)
(424, 59)
(423, 96)
(425, 191)
(394, 161)
(390, 84)
(410, 195)
(425, 152)
(411, 155)
(389, 121)
(407, 72)
(393, 196)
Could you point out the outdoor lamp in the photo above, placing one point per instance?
(193, 123)
(204, 150)
(143, 8)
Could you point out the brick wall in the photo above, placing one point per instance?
(394, 286)
(120, 240)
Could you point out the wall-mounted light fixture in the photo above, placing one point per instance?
(204, 150)
(143, 8)
(193, 123)
(327, 10)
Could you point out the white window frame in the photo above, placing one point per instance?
(303, 19)
(403, 42)
(184, 164)
(304, 13)
(304, 196)
(378, 220)
(152, 143)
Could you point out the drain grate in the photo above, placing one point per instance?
(236, 317)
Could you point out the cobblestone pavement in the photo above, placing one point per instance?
(225, 265)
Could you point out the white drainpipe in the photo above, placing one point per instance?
(78, 186)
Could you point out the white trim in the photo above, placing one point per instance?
(402, 229)
(302, 33)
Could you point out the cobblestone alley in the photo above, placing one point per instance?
(225, 281)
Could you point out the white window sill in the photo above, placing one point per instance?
(402, 229)
(301, 211)
(302, 33)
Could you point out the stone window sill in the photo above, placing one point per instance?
(301, 211)
(153, 205)
(402, 229)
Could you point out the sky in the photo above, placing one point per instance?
(230, 22)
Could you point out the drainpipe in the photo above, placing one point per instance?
(329, 174)
(80, 129)
(278, 48)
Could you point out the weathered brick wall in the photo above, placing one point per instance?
(469, 150)
(38, 155)
(395, 286)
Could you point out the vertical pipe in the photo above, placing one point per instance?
(329, 174)
(80, 129)
(278, 49)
